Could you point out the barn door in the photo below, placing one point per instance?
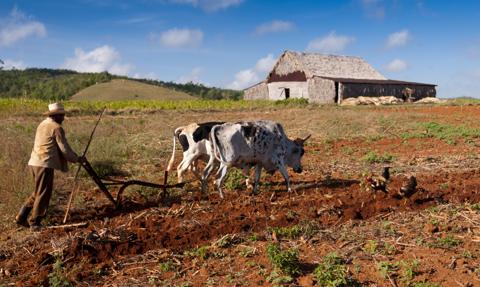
(336, 93)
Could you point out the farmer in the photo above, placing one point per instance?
(50, 151)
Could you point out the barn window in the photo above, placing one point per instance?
(287, 93)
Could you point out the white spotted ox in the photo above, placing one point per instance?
(195, 145)
(262, 144)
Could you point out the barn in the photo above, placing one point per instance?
(330, 79)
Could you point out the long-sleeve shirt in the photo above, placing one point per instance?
(51, 148)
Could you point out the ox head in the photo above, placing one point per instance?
(295, 153)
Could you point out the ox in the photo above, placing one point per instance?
(194, 141)
(262, 144)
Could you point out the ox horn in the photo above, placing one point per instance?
(301, 141)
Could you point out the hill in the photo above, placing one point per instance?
(58, 84)
(124, 89)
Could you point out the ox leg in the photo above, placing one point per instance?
(246, 173)
(256, 180)
(207, 172)
(222, 172)
(284, 172)
(184, 165)
(195, 169)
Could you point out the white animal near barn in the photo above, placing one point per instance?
(195, 145)
(259, 144)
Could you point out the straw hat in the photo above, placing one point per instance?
(55, 109)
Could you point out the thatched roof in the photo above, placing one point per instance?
(314, 64)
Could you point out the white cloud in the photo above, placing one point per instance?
(18, 26)
(248, 77)
(398, 39)
(265, 64)
(150, 76)
(209, 5)
(179, 38)
(104, 58)
(397, 65)
(330, 43)
(12, 64)
(244, 79)
(193, 76)
(274, 27)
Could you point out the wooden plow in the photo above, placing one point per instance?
(103, 183)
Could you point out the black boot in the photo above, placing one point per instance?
(21, 218)
(37, 225)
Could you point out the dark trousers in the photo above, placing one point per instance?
(40, 198)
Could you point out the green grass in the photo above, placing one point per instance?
(448, 242)
(373, 157)
(446, 132)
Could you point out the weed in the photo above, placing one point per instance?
(284, 260)
(447, 242)
(235, 180)
(57, 278)
(278, 279)
(370, 247)
(201, 252)
(388, 227)
(425, 284)
(306, 229)
(409, 271)
(348, 150)
(248, 252)
(387, 269)
(372, 157)
(253, 238)
(443, 186)
(332, 272)
(250, 263)
(291, 232)
(475, 206)
(166, 266)
(468, 255)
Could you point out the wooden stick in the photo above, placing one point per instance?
(80, 224)
(79, 166)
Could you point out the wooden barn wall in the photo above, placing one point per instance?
(321, 90)
(257, 92)
(276, 90)
(353, 90)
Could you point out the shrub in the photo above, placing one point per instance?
(332, 272)
(284, 260)
(57, 278)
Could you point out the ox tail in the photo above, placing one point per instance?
(217, 151)
(172, 158)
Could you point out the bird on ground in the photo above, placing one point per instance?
(409, 187)
(379, 182)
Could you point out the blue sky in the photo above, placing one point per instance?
(234, 43)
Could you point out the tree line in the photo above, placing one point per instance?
(59, 84)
